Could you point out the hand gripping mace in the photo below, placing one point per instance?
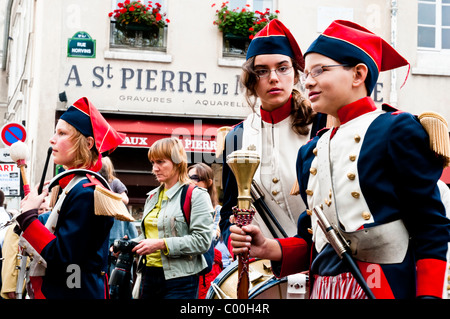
(243, 164)
(19, 154)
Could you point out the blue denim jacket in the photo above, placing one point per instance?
(185, 244)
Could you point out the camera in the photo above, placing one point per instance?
(120, 282)
(124, 245)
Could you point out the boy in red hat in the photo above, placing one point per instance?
(70, 253)
(375, 178)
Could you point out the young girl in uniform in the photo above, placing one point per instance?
(70, 252)
(278, 128)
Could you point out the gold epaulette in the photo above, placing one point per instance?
(437, 129)
(107, 203)
(220, 139)
(295, 189)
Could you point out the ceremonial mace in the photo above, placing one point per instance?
(243, 164)
(19, 153)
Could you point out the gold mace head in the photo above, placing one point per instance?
(243, 164)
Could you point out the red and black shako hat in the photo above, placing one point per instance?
(275, 38)
(349, 43)
(87, 119)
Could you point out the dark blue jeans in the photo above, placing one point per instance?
(155, 286)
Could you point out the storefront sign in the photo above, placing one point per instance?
(204, 145)
(159, 90)
(10, 179)
(81, 45)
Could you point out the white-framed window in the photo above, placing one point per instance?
(136, 37)
(433, 38)
(433, 31)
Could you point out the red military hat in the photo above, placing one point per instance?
(350, 43)
(275, 38)
(87, 119)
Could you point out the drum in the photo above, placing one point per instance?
(263, 284)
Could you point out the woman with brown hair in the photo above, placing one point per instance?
(278, 128)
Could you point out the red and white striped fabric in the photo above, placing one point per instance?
(342, 286)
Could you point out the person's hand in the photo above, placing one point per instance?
(250, 236)
(33, 200)
(149, 245)
(29, 207)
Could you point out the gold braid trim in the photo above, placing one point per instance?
(437, 129)
(107, 203)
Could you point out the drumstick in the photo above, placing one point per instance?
(19, 154)
(41, 184)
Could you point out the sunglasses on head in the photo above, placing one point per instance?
(195, 178)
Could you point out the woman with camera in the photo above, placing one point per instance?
(171, 248)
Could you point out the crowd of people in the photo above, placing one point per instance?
(372, 172)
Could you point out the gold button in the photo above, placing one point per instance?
(352, 157)
(274, 193)
(357, 138)
(310, 230)
(315, 151)
(102, 273)
(366, 215)
(355, 194)
(309, 212)
(328, 202)
(351, 176)
(275, 180)
(309, 192)
(313, 170)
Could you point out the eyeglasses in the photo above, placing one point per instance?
(318, 70)
(194, 178)
(282, 70)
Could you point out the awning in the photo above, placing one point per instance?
(196, 135)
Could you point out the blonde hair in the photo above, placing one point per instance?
(302, 113)
(84, 157)
(107, 170)
(172, 149)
